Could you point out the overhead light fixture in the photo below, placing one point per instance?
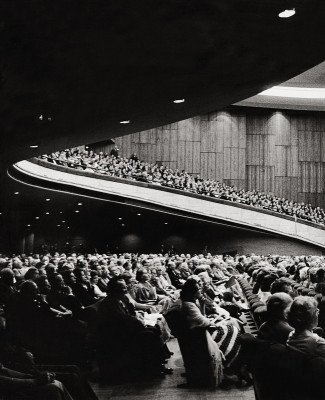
(68, 227)
(58, 225)
(123, 224)
(41, 117)
(120, 218)
(77, 211)
(33, 146)
(47, 199)
(139, 214)
(287, 13)
(295, 92)
(36, 217)
(47, 213)
(125, 122)
(177, 101)
(63, 222)
(16, 193)
(166, 223)
(79, 204)
(28, 224)
(61, 212)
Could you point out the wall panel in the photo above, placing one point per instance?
(273, 151)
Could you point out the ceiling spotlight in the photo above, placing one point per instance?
(177, 101)
(58, 225)
(166, 223)
(36, 217)
(28, 224)
(125, 122)
(68, 227)
(63, 222)
(79, 204)
(120, 218)
(49, 119)
(47, 213)
(41, 117)
(61, 212)
(16, 193)
(77, 211)
(139, 214)
(47, 199)
(33, 146)
(123, 224)
(0, 213)
(287, 13)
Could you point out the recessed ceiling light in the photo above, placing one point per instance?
(41, 117)
(77, 211)
(61, 212)
(120, 218)
(125, 122)
(63, 222)
(68, 227)
(0, 213)
(47, 213)
(287, 13)
(47, 199)
(139, 214)
(58, 225)
(123, 224)
(36, 217)
(28, 224)
(33, 146)
(177, 101)
(79, 204)
(16, 193)
(166, 223)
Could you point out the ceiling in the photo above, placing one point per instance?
(71, 71)
(312, 78)
(86, 66)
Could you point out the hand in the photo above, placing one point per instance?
(45, 377)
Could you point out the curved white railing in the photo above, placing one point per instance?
(196, 205)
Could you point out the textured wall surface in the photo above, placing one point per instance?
(274, 151)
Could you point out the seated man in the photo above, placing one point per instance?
(276, 328)
(127, 347)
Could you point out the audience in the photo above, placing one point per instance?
(62, 312)
(132, 168)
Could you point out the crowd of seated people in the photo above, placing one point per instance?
(62, 308)
(133, 168)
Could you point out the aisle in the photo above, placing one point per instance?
(166, 388)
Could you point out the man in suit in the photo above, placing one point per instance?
(127, 348)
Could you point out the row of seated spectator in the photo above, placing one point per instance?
(133, 168)
(67, 309)
(287, 301)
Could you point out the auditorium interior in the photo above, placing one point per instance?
(162, 223)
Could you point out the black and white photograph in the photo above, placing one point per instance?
(162, 200)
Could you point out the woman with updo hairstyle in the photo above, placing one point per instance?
(303, 317)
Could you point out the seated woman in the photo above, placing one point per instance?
(225, 335)
(276, 328)
(145, 293)
(303, 317)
